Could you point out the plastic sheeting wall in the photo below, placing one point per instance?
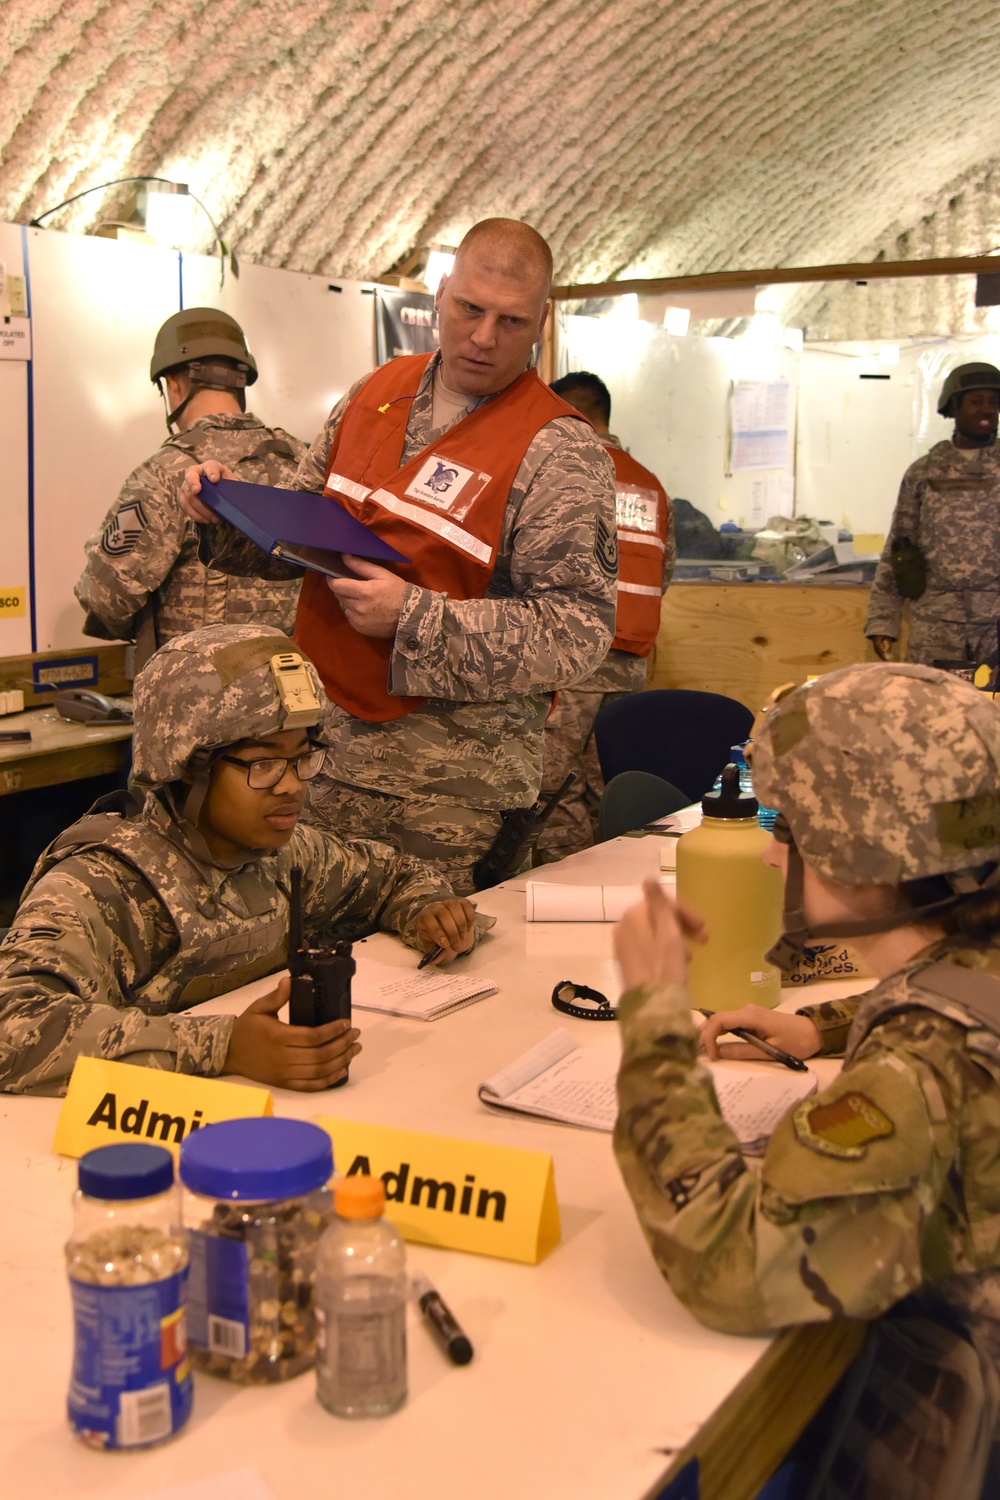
(859, 422)
(77, 418)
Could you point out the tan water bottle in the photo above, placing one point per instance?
(721, 875)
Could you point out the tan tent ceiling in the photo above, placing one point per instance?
(641, 138)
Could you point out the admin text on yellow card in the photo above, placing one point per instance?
(113, 1101)
(465, 1195)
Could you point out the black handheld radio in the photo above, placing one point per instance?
(518, 831)
(321, 977)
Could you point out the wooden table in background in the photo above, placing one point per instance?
(59, 750)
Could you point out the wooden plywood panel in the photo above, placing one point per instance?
(744, 640)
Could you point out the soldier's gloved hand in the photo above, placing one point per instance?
(795, 1034)
(650, 941)
(882, 646)
(450, 925)
(289, 1057)
(191, 489)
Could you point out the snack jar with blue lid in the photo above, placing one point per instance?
(256, 1202)
(128, 1268)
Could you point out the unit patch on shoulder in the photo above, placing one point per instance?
(842, 1128)
(606, 548)
(124, 529)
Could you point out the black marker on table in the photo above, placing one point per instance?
(441, 1320)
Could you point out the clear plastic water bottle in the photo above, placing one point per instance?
(737, 757)
(361, 1305)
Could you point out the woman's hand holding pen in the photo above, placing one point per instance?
(794, 1034)
(448, 926)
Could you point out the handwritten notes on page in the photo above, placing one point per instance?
(561, 1080)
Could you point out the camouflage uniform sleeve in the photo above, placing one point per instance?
(139, 542)
(361, 885)
(670, 551)
(834, 1224)
(79, 945)
(832, 1019)
(549, 617)
(885, 603)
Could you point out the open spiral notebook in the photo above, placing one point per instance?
(560, 1080)
(422, 994)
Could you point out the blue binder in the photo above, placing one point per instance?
(311, 530)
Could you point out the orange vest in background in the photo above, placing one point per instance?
(643, 515)
(443, 510)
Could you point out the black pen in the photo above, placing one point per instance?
(431, 954)
(441, 1320)
(768, 1047)
(8, 735)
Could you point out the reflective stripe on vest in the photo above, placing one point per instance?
(643, 512)
(449, 526)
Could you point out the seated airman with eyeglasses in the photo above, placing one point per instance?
(138, 913)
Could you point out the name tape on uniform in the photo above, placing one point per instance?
(13, 600)
(113, 1101)
(465, 1195)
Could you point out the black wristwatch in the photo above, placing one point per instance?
(566, 992)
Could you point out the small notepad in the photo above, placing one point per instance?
(422, 994)
(562, 1081)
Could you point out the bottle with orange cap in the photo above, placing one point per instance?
(361, 1305)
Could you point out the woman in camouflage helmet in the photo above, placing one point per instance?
(130, 920)
(881, 1191)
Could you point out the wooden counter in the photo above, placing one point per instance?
(745, 639)
(59, 750)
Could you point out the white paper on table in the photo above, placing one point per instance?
(423, 994)
(546, 902)
(238, 1484)
(560, 1080)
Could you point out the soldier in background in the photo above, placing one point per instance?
(942, 551)
(646, 557)
(143, 578)
(879, 1196)
(442, 671)
(128, 921)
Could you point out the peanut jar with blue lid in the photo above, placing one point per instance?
(128, 1266)
(255, 1204)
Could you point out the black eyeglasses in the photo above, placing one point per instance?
(267, 772)
(781, 830)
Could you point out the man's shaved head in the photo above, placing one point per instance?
(492, 306)
(510, 247)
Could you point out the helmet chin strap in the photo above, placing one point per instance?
(797, 933)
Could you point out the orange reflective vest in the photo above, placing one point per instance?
(443, 509)
(643, 515)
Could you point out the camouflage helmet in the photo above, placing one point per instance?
(200, 333)
(974, 377)
(203, 691)
(884, 773)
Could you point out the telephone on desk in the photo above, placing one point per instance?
(90, 707)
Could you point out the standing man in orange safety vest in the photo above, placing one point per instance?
(646, 557)
(442, 670)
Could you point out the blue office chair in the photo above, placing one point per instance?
(633, 799)
(682, 736)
